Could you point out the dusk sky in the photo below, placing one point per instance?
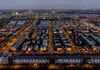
(49, 4)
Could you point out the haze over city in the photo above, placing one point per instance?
(49, 4)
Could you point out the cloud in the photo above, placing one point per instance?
(49, 4)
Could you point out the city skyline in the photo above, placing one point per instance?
(50, 4)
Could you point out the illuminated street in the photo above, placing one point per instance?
(50, 39)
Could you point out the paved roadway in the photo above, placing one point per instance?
(13, 40)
